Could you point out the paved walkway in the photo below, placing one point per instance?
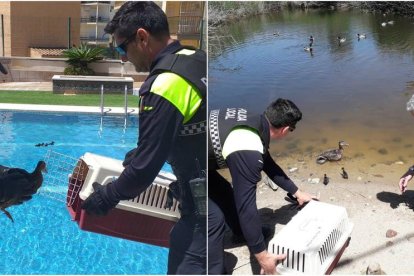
(25, 86)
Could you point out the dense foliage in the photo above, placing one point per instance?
(80, 57)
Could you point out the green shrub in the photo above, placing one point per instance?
(79, 71)
(79, 58)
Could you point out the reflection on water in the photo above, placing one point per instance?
(354, 91)
(6, 131)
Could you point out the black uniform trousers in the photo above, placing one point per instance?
(221, 211)
(187, 254)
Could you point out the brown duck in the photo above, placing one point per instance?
(29, 183)
(332, 154)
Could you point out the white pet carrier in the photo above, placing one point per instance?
(143, 218)
(313, 240)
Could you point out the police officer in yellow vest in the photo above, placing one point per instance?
(172, 127)
(239, 140)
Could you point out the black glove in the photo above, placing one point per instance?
(99, 202)
(409, 172)
(173, 192)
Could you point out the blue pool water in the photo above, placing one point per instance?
(43, 239)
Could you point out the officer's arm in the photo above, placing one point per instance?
(245, 167)
(158, 125)
(278, 175)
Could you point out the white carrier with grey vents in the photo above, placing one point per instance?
(313, 240)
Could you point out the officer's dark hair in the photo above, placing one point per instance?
(283, 113)
(136, 14)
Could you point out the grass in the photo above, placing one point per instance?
(47, 97)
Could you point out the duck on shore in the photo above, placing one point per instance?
(332, 154)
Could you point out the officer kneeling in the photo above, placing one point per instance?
(239, 140)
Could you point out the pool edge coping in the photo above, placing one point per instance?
(67, 109)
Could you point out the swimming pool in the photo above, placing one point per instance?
(43, 239)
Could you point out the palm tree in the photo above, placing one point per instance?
(79, 58)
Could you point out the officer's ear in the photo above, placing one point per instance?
(276, 133)
(284, 130)
(142, 36)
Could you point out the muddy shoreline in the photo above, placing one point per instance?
(221, 13)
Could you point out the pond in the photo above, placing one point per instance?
(354, 91)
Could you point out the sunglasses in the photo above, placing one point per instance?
(122, 48)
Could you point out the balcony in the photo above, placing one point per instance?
(94, 40)
(185, 25)
(93, 19)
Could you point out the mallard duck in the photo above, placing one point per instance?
(308, 49)
(341, 39)
(332, 154)
(361, 36)
(26, 183)
(311, 39)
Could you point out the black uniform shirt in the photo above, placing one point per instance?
(158, 128)
(245, 168)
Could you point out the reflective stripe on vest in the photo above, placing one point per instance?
(178, 92)
(242, 138)
(182, 94)
(215, 138)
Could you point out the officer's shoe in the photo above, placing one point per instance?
(267, 232)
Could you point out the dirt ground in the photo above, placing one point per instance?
(373, 203)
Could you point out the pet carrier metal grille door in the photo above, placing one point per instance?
(313, 240)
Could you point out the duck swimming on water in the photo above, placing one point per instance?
(308, 49)
(332, 154)
(341, 39)
(361, 36)
(21, 185)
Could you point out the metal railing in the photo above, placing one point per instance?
(126, 111)
(93, 19)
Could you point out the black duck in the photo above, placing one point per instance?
(325, 179)
(344, 174)
(332, 154)
(26, 184)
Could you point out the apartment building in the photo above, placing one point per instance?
(46, 28)
(27, 25)
(94, 17)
